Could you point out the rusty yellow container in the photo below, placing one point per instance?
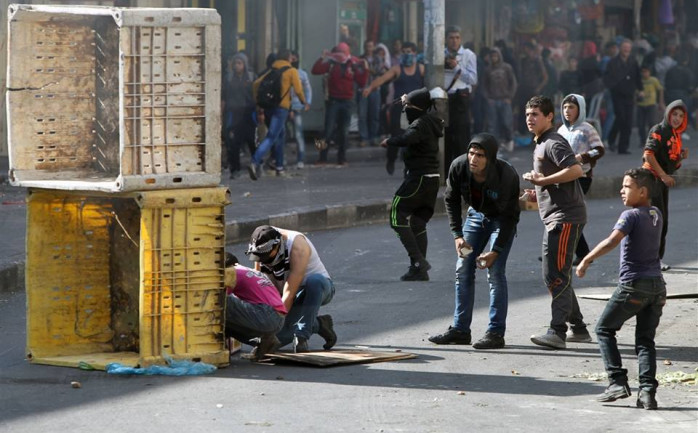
(127, 277)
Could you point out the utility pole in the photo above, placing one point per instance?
(434, 34)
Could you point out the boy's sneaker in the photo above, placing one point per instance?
(578, 337)
(614, 392)
(664, 266)
(326, 331)
(490, 341)
(300, 165)
(280, 172)
(646, 400)
(452, 336)
(549, 340)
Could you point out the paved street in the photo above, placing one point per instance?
(446, 389)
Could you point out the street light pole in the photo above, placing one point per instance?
(434, 34)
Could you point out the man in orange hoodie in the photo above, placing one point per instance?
(662, 156)
(276, 134)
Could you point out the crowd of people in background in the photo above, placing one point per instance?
(623, 83)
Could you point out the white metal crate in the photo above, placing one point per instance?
(113, 99)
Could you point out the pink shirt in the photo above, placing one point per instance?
(256, 288)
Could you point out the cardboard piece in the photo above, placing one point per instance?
(332, 358)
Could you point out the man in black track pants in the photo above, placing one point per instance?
(413, 204)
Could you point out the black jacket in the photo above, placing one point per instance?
(500, 192)
(422, 141)
(623, 78)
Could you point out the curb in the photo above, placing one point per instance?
(342, 216)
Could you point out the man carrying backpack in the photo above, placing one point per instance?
(272, 93)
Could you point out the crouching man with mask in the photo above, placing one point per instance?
(293, 265)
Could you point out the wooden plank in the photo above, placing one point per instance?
(333, 358)
(668, 296)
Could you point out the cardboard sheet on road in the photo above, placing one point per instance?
(333, 358)
(668, 296)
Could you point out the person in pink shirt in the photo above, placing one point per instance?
(253, 308)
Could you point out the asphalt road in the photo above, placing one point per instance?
(445, 389)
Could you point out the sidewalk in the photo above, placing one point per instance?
(317, 198)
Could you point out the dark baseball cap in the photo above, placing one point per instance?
(262, 242)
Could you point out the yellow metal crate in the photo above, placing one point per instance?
(126, 277)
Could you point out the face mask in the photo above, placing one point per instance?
(407, 59)
(412, 113)
(279, 264)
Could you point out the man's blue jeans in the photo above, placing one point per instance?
(298, 130)
(644, 298)
(369, 111)
(500, 118)
(337, 120)
(301, 321)
(481, 233)
(276, 136)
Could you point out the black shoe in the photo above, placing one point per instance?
(254, 170)
(326, 331)
(268, 344)
(646, 400)
(452, 336)
(489, 341)
(390, 167)
(417, 271)
(415, 274)
(614, 392)
(300, 345)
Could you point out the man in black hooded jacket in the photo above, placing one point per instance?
(490, 189)
(413, 204)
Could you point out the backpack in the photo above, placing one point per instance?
(269, 91)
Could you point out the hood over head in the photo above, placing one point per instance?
(498, 51)
(589, 49)
(385, 49)
(343, 47)
(488, 143)
(579, 100)
(677, 104)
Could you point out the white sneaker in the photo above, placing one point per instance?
(664, 266)
(300, 165)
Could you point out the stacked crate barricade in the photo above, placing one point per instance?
(114, 128)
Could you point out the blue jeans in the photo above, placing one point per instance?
(301, 321)
(298, 131)
(644, 298)
(369, 110)
(481, 232)
(276, 136)
(500, 118)
(337, 118)
(245, 321)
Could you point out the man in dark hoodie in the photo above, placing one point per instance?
(499, 86)
(490, 189)
(413, 204)
(662, 156)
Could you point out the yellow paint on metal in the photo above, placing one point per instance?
(181, 243)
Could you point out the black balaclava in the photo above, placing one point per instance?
(421, 100)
